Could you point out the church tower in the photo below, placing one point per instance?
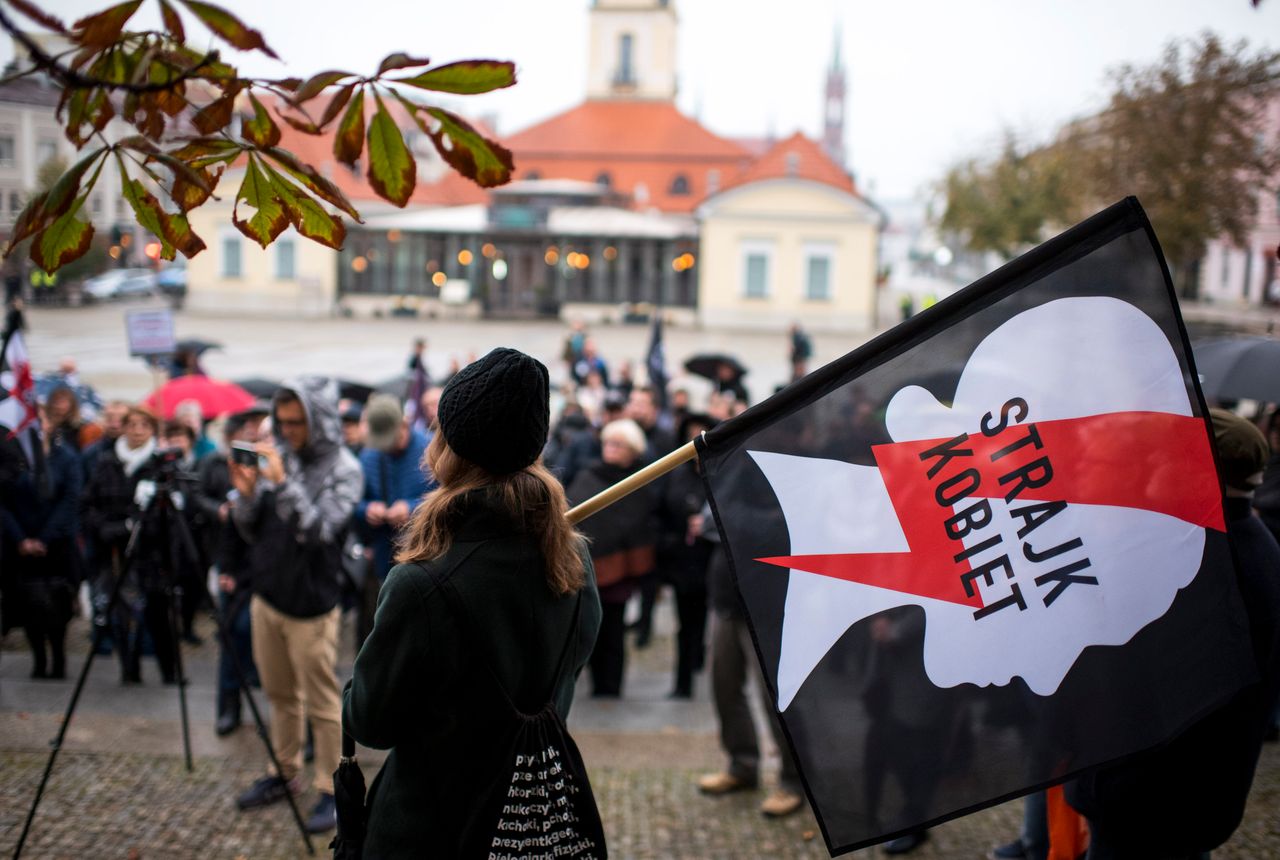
(632, 53)
(833, 108)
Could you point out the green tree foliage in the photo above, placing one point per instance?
(1183, 134)
(195, 116)
(1011, 203)
(1186, 136)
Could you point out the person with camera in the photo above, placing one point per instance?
(229, 555)
(119, 495)
(190, 560)
(293, 508)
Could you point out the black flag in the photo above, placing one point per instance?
(986, 551)
(656, 362)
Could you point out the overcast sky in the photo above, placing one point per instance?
(929, 81)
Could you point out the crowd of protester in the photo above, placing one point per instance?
(302, 525)
(291, 509)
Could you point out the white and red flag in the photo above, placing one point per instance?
(986, 551)
(18, 410)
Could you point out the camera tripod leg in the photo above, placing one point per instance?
(224, 636)
(171, 520)
(188, 546)
(175, 599)
(56, 744)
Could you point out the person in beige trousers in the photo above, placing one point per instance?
(292, 509)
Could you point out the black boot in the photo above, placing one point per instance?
(228, 722)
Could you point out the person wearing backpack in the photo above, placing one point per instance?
(481, 630)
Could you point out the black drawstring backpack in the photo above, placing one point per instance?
(540, 803)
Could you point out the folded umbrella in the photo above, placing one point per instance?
(348, 800)
(216, 397)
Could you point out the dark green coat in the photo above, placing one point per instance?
(418, 682)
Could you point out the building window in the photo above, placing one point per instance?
(532, 175)
(46, 151)
(793, 163)
(713, 181)
(756, 262)
(604, 180)
(6, 150)
(15, 204)
(231, 264)
(285, 263)
(680, 185)
(96, 204)
(625, 74)
(817, 275)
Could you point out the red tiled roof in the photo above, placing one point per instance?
(637, 143)
(797, 157)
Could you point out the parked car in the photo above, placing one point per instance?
(119, 283)
(172, 282)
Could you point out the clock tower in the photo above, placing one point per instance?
(632, 50)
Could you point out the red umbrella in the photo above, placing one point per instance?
(216, 397)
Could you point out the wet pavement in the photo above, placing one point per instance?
(120, 788)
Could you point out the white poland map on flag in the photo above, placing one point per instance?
(1066, 359)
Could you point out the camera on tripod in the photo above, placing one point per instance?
(168, 460)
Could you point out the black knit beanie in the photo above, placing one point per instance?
(495, 412)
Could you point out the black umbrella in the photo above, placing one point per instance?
(348, 800)
(397, 385)
(708, 365)
(195, 345)
(351, 390)
(259, 387)
(1239, 367)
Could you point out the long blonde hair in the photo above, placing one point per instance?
(532, 496)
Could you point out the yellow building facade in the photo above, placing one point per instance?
(293, 277)
(786, 250)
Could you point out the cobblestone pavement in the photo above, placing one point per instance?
(120, 789)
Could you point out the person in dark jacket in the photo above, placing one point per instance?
(683, 553)
(733, 662)
(495, 536)
(622, 545)
(39, 518)
(1187, 797)
(394, 480)
(118, 495)
(65, 426)
(1266, 499)
(293, 511)
(229, 554)
(573, 444)
(190, 561)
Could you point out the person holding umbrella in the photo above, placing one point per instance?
(724, 371)
(493, 585)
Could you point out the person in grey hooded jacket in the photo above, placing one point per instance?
(292, 510)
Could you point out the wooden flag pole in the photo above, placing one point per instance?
(631, 483)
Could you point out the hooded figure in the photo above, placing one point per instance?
(312, 505)
(293, 511)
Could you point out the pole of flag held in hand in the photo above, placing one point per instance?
(631, 483)
(955, 541)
